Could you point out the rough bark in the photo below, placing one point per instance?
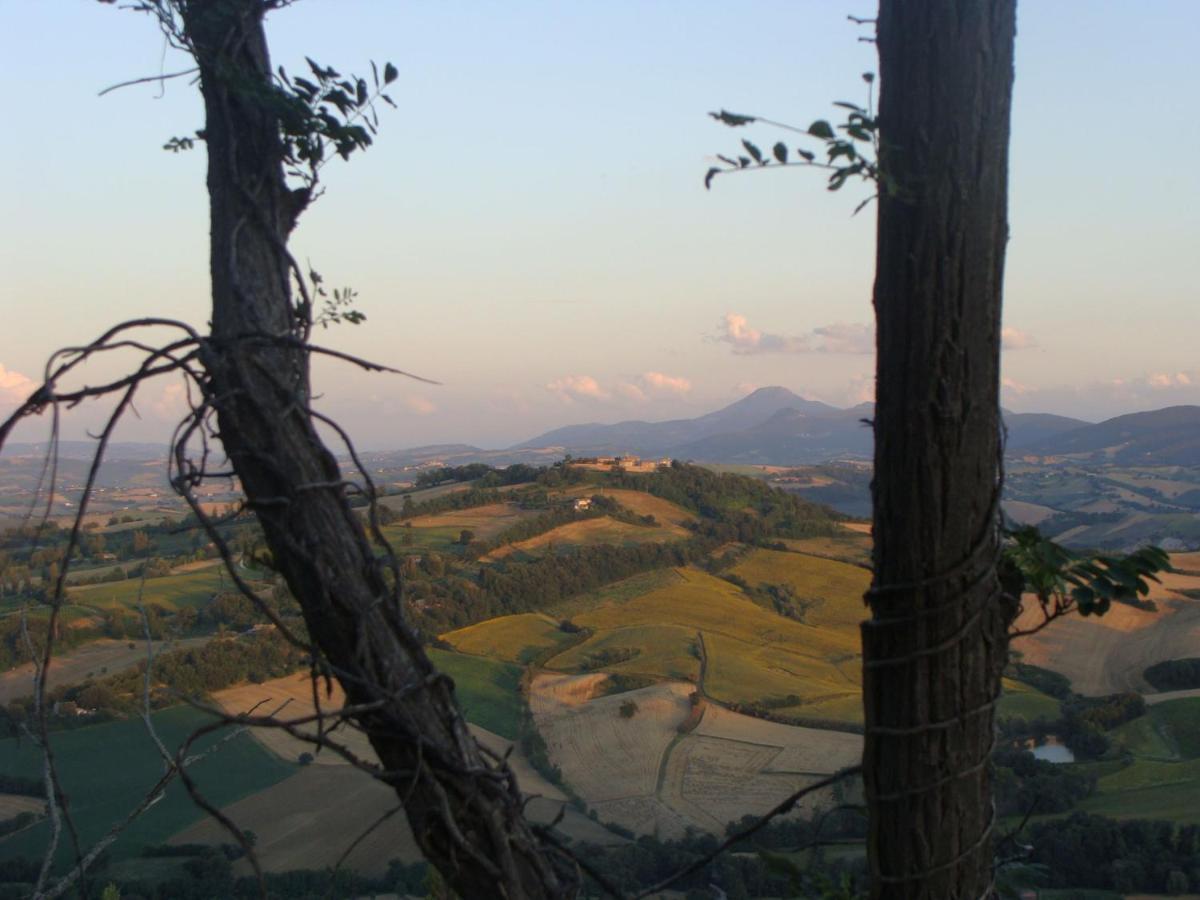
(936, 642)
(465, 813)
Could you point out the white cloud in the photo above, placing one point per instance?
(1012, 386)
(14, 387)
(570, 388)
(840, 337)
(1016, 339)
(671, 384)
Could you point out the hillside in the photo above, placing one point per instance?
(1168, 436)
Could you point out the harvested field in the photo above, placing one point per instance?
(14, 804)
(89, 660)
(1104, 655)
(517, 638)
(308, 822)
(641, 773)
(849, 548)
(644, 504)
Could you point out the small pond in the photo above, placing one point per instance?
(1053, 753)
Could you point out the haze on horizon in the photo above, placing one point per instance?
(531, 228)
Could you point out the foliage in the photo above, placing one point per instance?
(1174, 674)
(854, 153)
(1063, 580)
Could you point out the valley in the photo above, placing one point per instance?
(658, 654)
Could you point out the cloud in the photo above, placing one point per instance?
(1103, 399)
(670, 384)
(1016, 339)
(14, 387)
(631, 391)
(570, 388)
(840, 337)
(419, 405)
(1164, 380)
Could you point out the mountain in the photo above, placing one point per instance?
(1165, 437)
(1025, 429)
(772, 426)
(788, 436)
(659, 438)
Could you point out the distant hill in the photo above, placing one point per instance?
(1025, 429)
(1169, 437)
(771, 426)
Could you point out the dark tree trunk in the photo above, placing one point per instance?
(465, 814)
(936, 642)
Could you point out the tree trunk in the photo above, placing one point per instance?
(466, 815)
(936, 643)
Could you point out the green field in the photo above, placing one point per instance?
(489, 691)
(106, 769)
(518, 639)
(1179, 722)
(1019, 700)
(170, 591)
(836, 587)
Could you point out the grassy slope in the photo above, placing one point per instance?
(517, 638)
(753, 654)
(488, 690)
(106, 769)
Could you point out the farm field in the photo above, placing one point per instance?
(442, 531)
(638, 771)
(294, 820)
(1108, 654)
(516, 638)
(487, 690)
(1019, 700)
(600, 530)
(851, 547)
(103, 656)
(752, 654)
(173, 591)
(106, 769)
(836, 587)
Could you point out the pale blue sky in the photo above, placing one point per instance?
(531, 228)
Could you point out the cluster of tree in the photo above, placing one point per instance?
(779, 598)
(764, 709)
(1024, 783)
(221, 663)
(488, 476)
(1132, 856)
(733, 507)
(207, 872)
(1050, 683)
(758, 869)
(13, 648)
(1083, 724)
(1175, 674)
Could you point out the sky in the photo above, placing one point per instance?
(531, 229)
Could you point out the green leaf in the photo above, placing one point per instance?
(868, 77)
(727, 160)
(781, 152)
(733, 120)
(743, 161)
(390, 73)
(845, 104)
(806, 155)
(820, 129)
(753, 151)
(360, 93)
(708, 177)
